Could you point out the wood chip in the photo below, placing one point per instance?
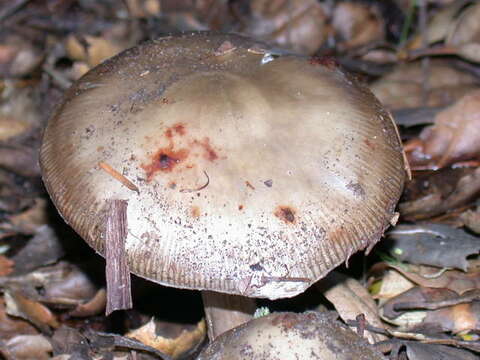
(119, 296)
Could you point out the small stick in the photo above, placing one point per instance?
(249, 185)
(119, 296)
(115, 174)
(199, 188)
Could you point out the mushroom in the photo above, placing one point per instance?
(312, 335)
(239, 171)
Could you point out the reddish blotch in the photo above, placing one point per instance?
(285, 213)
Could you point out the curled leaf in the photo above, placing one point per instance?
(454, 137)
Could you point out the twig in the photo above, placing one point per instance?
(119, 296)
(199, 188)
(115, 174)
(368, 327)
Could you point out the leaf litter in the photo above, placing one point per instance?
(416, 296)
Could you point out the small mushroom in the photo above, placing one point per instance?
(240, 171)
(285, 336)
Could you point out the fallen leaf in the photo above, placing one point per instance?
(28, 347)
(298, 25)
(454, 137)
(437, 192)
(66, 340)
(107, 343)
(18, 56)
(171, 346)
(357, 24)
(415, 294)
(432, 244)
(10, 128)
(20, 160)
(403, 87)
(415, 116)
(33, 311)
(465, 32)
(351, 299)
(95, 49)
(144, 8)
(456, 319)
(93, 307)
(426, 309)
(439, 25)
(392, 284)
(471, 219)
(28, 221)
(6, 266)
(44, 248)
(13, 326)
(420, 351)
(455, 280)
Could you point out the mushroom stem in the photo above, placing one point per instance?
(224, 312)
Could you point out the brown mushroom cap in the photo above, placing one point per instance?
(286, 336)
(256, 174)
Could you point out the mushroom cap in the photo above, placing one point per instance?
(312, 335)
(257, 174)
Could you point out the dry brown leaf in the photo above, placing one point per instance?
(173, 347)
(21, 160)
(12, 326)
(19, 110)
(195, 15)
(68, 357)
(455, 280)
(93, 307)
(392, 284)
(35, 312)
(458, 318)
(433, 193)
(6, 266)
(466, 28)
(357, 24)
(18, 57)
(298, 25)
(442, 74)
(407, 310)
(78, 69)
(28, 221)
(143, 8)
(471, 219)
(415, 294)
(444, 191)
(351, 299)
(95, 49)
(62, 284)
(28, 347)
(454, 137)
(470, 51)
(380, 56)
(11, 127)
(403, 88)
(438, 26)
(460, 33)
